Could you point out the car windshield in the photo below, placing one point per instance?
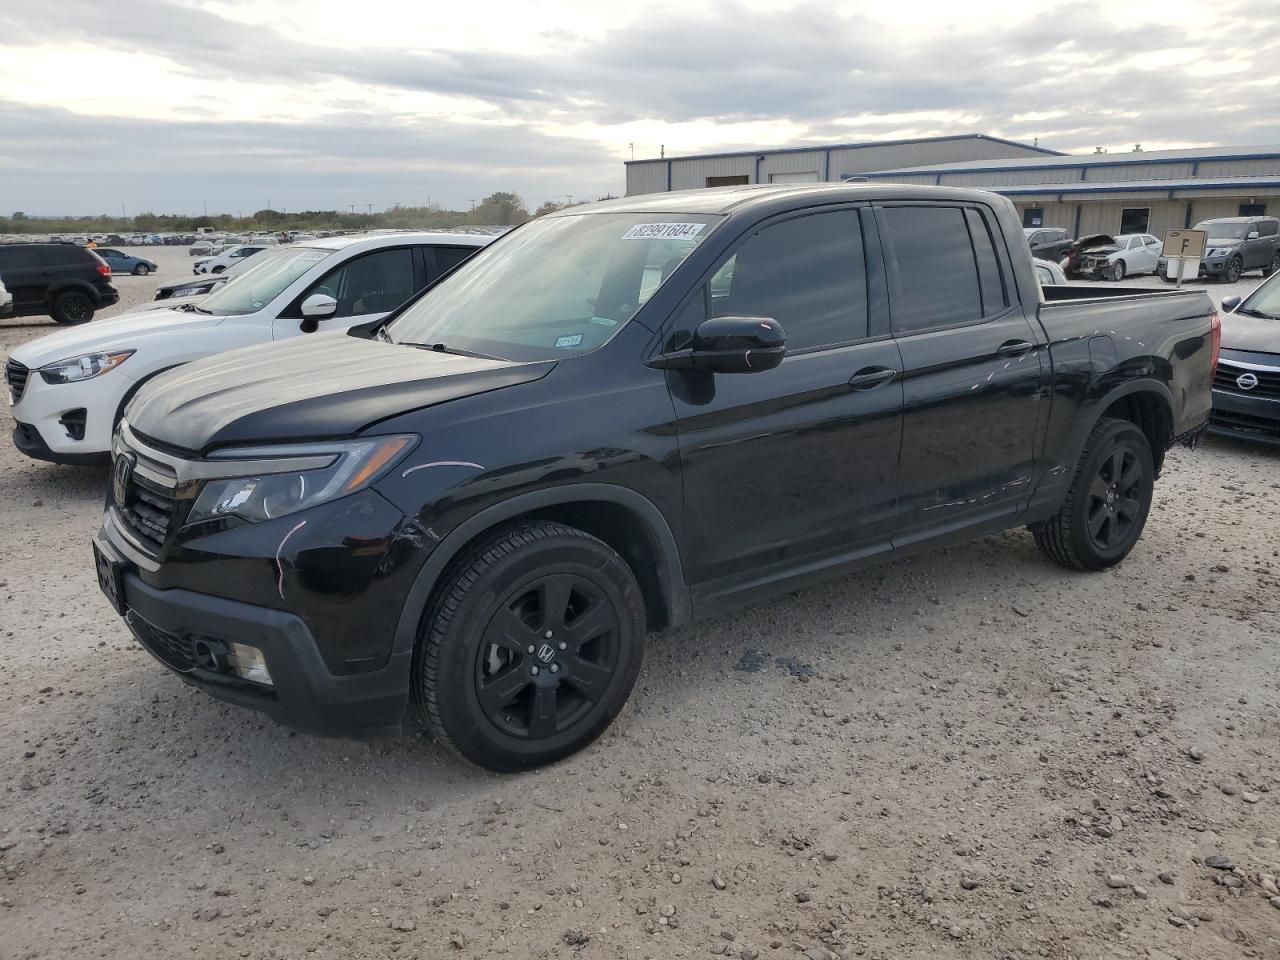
(1263, 302)
(264, 277)
(1224, 231)
(556, 287)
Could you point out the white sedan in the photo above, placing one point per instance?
(1131, 253)
(228, 258)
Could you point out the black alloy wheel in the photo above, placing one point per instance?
(1235, 267)
(530, 647)
(1106, 507)
(1115, 499)
(547, 657)
(72, 307)
(1273, 267)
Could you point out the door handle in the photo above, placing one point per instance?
(871, 377)
(1015, 348)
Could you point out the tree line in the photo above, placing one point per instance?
(499, 209)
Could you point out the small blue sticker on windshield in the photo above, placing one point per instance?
(569, 341)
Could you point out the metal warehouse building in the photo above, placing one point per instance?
(813, 164)
(1140, 192)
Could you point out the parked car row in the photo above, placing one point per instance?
(354, 504)
(1235, 245)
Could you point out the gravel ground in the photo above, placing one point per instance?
(967, 754)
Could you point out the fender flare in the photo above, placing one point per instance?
(80, 286)
(1100, 406)
(675, 591)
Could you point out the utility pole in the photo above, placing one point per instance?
(569, 197)
(473, 204)
(633, 150)
(123, 215)
(370, 206)
(206, 207)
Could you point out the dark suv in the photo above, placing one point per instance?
(1234, 245)
(1047, 243)
(59, 279)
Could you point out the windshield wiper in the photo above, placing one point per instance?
(456, 351)
(1250, 312)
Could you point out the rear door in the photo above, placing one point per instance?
(368, 286)
(440, 259)
(25, 275)
(972, 371)
(792, 465)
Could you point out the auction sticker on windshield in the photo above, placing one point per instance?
(663, 231)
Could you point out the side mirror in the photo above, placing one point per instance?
(319, 306)
(1229, 304)
(730, 345)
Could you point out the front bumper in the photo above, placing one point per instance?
(303, 694)
(1245, 417)
(69, 422)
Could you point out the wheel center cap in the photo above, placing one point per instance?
(546, 653)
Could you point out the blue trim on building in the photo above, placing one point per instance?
(1085, 160)
(1155, 186)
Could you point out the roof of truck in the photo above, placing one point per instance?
(724, 200)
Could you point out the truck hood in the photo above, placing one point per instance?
(322, 387)
(124, 332)
(1250, 334)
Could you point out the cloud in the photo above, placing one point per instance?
(325, 122)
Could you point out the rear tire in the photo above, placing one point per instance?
(1108, 502)
(1273, 267)
(530, 648)
(72, 307)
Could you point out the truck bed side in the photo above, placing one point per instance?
(1142, 354)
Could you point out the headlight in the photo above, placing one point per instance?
(1217, 252)
(266, 496)
(83, 368)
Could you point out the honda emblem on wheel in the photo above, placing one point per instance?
(546, 653)
(1247, 381)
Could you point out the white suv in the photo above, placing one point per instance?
(69, 389)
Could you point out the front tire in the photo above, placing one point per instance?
(141, 270)
(530, 648)
(1117, 271)
(72, 308)
(1231, 272)
(1108, 502)
(218, 269)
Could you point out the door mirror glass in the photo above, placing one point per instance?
(1253, 234)
(731, 345)
(319, 305)
(1230, 303)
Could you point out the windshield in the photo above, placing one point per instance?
(1263, 302)
(265, 276)
(557, 286)
(1224, 231)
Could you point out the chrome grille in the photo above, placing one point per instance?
(1268, 384)
(15, 374)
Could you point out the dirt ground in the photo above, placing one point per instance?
(968, 754)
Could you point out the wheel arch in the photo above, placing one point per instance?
(71, 286)
(1147, 404)
(624, 519)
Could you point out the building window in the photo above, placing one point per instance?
(1134, 219)
(726, 181)
(1033, 217)
(1253, 209)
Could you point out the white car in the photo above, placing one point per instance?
(228, 257)
(68, 390)
(6, 301)
(1129, 254)
(1048, 273)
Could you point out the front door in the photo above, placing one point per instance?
(972, 370)
(793, 465)
(366, 287)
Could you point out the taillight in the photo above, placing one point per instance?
(104, 269)
(1215, 342)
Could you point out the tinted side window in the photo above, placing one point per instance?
(808, 273)
(937, 271)
(375, 283)
(449, 257)
(1267, 228)
(995, 297)
(19, 258)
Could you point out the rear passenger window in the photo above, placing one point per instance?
(937, 270)
(807, 273)
(17, 259)
(449, 257)
(1267, 228)
(995, 294)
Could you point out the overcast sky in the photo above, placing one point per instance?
(168, 105)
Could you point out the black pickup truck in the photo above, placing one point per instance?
(619, 418)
